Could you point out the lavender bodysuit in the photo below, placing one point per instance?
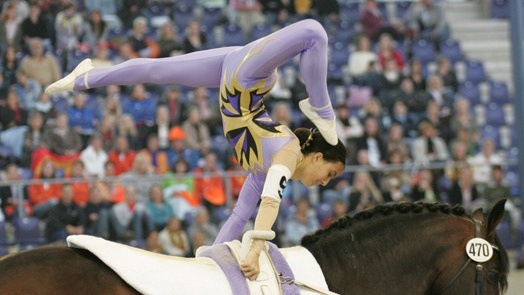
(244, 74)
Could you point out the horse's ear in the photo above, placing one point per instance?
(479, 215)
(495, 216)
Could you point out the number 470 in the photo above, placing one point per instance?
(479, 249)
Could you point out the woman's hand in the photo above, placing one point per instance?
(250, 267)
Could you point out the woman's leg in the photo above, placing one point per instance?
(201, 68)
(244, 208)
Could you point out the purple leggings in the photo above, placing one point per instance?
(253, 67)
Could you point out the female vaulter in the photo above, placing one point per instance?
(270, 151)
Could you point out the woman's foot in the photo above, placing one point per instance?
(326, 127)
(68, 82)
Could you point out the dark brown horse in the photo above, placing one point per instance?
(408, 248)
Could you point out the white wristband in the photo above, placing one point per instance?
(276, 181)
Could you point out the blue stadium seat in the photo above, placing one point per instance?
(492, 133)
(498, 92)
(339, 54)
(495, 115)
(401, 8)
(116, 33)
(74, 58)
(345, 31)
(471, 92)
(4, 243)
(324, 210)
(260, 30)
(211, 16)
(475, 71)
(210, 35)
(424, 51)
(350, 11)
(499, 9)
(60, 103)
(335, 73)
(452, 50)
(233, 35)
(27, 232)
(182, 15)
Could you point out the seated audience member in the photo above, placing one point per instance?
(304, 221)
(427, 20)
(157, 156)
(122, 156)
(464, 190)
(416, 75)
(197, 133)
(442, 96)
(142, 45)
(340, 209)
(429, 147)
(32, 138)
(177, 109)
(374, 23)
(161, 127)
(81, 118)
(107, 131)
(63, 142)
(372, 141)
(45, 106)
(168, 40)
(204, 226)
(210, 189)
(158, 209)
(179, 149)
(80, 183)
(65, 218)
(362, 64)
(483, 161)
(94, 157)
(45, 194)
(209, 110)
(364, 193)
(128, 129)
(195, 39)
(173, 239)
(11, 195)
(388, 52)
(425, 188)
(28, 90)
(143, 172)
(462, 118)
(130, 219)
(96, 214)
(40, 66)
(12, 114)
(179, 188)
(348, 126)
(447, 74)
(238, 178)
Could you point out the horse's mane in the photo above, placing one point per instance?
(383, 210)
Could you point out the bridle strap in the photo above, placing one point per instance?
(479, 290)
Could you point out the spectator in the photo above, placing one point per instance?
(416, 101)
(389, 80)
(8, 69)
(440, 122)
(107, 130)
(417, 76)
(441, 95)
(281, 114)
(399, 174)
(195, 39)
(403, 119)
(161, 127)
(372, 141)
(104, 7)
(462, 118)
(112, 104)
(374, 109)
(168, 41)
(362, 61)
(156, 156)
(173, 239)
(28, 90)
(204, 226)
(459, 156)
(11, 195)
(65, 218)
(158, 209)
(130, 219)
(429, 147)
(209, 112)
(348, 126)
(179, 149)
(46, 108)
(470, 140)
(81, 118)
(427, 20)
(237, 180)
(121, 156)
(22, 9)
(483, 161)
(127, 128)
(177, 109)
(102, 58)
(80, 183)
(61, 139)
(425, 188)
(197, 133)
(397, 142)
(393, 190)
(446, 73)
(69, 27)
(12, 114)
(94, 157)
(304, 221)
(374, 23)
(142, 171)
(464, 191)
(209, 189)
(129, 10)
(125, 52)
(179, 189)
(36, 25)
(111, 188)
(96, 29)
(273, 10)
(248, 13)
(340, 209)
(327, 10)
(40, 66)
(44, 194)
(142, 45)
(10, 27)
(32, 137)
(364, 194)
(387, 52)
(96, 214)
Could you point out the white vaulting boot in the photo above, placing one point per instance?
(326, 127)
(67, 83)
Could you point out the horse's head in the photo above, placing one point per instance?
(486, 261)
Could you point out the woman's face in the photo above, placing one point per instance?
(320, 171)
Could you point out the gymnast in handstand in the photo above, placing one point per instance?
(270, 151)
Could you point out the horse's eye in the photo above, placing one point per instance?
(493, 276)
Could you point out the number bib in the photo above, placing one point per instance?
(479, 250)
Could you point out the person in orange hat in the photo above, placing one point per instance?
(180, 150)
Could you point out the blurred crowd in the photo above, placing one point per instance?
(149, 163)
